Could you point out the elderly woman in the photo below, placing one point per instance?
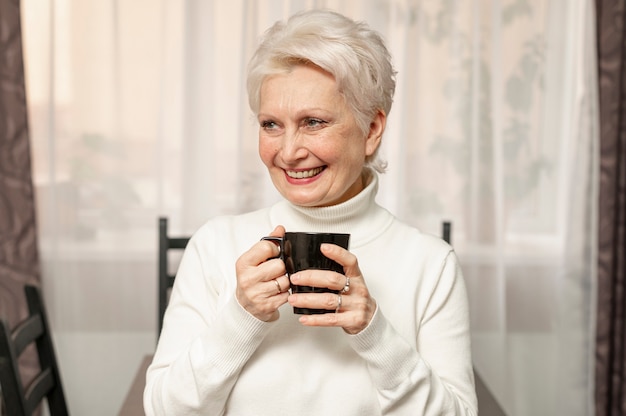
(321, 86)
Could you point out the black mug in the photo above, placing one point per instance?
(301, 251)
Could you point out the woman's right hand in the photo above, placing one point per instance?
(259, 276)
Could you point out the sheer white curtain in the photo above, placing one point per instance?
(138, 109)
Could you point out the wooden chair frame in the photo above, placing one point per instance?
(20, 400)
(166, 279)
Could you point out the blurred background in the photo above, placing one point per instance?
(138, 109)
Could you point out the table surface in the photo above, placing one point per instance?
(133, 404)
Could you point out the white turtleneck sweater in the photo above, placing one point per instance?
(414, 358)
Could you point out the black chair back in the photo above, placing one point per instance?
(166, 279)
(446, 231)
(20, 400)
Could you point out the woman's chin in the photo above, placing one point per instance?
(303, 202)
(304, 195)
(304, 199)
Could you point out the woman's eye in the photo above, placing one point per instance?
(268, 125)
(314, 122)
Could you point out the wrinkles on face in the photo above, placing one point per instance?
(309, 139)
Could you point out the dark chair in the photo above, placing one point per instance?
(487, 403)
(446, 231)
(20, 400)
(166, 279)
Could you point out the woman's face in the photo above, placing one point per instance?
(309, 139)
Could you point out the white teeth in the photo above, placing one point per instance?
(304, 173)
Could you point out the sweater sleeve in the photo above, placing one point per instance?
(206, 340)
(436, 378)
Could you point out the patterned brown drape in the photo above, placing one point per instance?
(610, 380)
(18, 238)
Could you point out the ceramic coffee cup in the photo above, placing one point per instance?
(301, 251)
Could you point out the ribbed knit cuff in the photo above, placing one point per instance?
(389, 357)
(241, 332)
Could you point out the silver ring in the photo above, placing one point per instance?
(280, 289)
(338, 302)
(346, 288)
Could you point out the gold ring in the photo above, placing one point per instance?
(280, 289)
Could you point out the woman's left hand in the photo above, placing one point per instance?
(354, 305)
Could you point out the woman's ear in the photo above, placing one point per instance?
(375, 135)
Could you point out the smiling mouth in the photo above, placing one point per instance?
(304, 174)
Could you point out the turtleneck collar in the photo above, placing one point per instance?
(360, 216)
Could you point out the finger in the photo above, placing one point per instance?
(279, 231)
(249, 273)
(352, 317)
(343, 257)
(264, 307)
(280, 285)
(327, 301)
(261, 251)
(275, 238)
(319, 278)
(262, 299)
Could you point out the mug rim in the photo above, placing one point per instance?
(316, 233)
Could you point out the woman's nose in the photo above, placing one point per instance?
(293, 147)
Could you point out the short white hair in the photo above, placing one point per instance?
(354, 54)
